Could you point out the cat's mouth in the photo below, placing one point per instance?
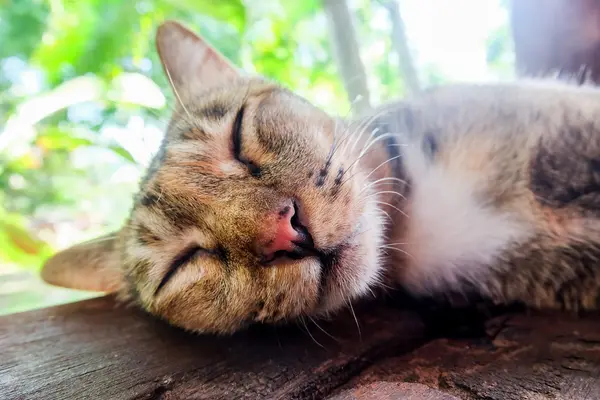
(328, 259)
(328, 262)
(339, 272)
(300, 251)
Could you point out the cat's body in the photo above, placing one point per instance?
(504, 194)
(260, 207)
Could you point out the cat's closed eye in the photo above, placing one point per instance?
(185, 257)
(237, 145)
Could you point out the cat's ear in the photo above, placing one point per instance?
(92, 266)
(189, 61)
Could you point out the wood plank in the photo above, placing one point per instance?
(95, 350)
(542, 356)
(393, 391)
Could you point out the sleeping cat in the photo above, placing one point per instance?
(260, 207)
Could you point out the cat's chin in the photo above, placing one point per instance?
(355, 266)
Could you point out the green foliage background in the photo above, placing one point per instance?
(82, 106)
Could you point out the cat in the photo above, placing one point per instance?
(260, 207)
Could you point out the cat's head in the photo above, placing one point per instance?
(254, 210)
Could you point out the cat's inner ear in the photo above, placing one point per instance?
(191, 64)
(93, 266)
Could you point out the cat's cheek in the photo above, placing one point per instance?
(359, 264)
(303, 293)
(311, 271)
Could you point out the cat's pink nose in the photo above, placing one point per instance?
(284, 235)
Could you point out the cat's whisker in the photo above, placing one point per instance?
(382, 180)
(372, 292)
(362, 125)
(365, 150)
(353, 103)
(179, 99)
(354, 174)
(374, 140)
(388, 215)
(392, 206)
(367, 123)
(382, 164)
(358, 137)
(310, 334)
(348, 132)
(380, 282)
(381, 183)
(321, 329)
(398, 250)
(158, 113)
(335, 144)
(374, 131)
(383, 285)
(386, 192)
(355, 319)
(358, 132)
(335, 134)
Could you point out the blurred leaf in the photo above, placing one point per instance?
(69, 29)
(23, 23)
(54, 139)
(17, 244)
(87, 36)
(123, 153)
(22, 239)
(135, 88)
(77, 90)
(20, 126)
(296, 10)
(230, 11)
(111, 38)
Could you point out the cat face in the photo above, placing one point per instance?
(257, 208)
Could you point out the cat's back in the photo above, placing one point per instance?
(529, 108)
(542, 135)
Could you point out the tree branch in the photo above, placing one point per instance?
(400, 45)
(347, 53)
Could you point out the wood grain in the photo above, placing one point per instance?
(393, 391)
(544, 356)
(96, 350)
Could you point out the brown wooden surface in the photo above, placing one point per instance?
(549, 356)
(92, 350)
(95, 350)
